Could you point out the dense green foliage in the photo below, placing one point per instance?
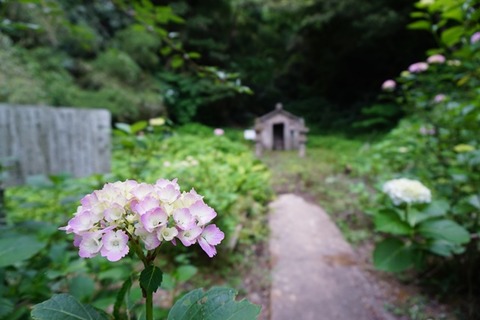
(233, 182)
(438, 144)
(323, 59)
(104, 54)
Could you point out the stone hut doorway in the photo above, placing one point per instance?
(278, 136)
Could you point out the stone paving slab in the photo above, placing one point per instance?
(315, 275)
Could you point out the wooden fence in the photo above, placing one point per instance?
(44, 140)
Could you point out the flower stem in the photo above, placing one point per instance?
(149, 306)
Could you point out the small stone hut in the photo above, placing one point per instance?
(280, 130)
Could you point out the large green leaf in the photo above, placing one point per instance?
(151, 278)
(6, 307)
(392, 255)
(452, 35)
(215, 304)
(444, 229)
(444, 248)
(436, 209)
(390, 222)
(65, 307)
(16, 249)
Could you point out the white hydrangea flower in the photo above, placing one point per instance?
(407, 191)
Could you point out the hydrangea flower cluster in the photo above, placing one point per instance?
(145, 213)
(389, 85)
(436, 58)
(418, 67)
(407, 191)
(439, 98)
(475, 37)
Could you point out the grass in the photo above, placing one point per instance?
(324, 176)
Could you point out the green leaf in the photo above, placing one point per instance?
(121, 297)
(215, 304)
(165, 51)
(81, 287)
(474, 200)
(151, 278)
(194, 55)
(444, 229)
(393, 256)
(452, 35)
(185, 273)
(138, 126)
(438, 208)
(6, 307)
(420, 25)
(176, 62)
(456, 13)
(444, 248)
(390, 222)
(123, 127)
(16, 249)
(65, 307)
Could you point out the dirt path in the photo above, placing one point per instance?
(315, 275)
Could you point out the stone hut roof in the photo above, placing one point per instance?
(278, 110)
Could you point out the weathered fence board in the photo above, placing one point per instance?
(44, 140)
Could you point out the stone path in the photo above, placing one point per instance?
(314, 272)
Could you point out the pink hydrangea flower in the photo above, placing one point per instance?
(210, 237)
(389, 85)
(426, 131)
(218, 132)
(90, 244)
(189, 237)
(149, 214)
(439, 98)
(475, 37)
(418, 67)
(202, 213)
(115, 245)
(153, 219)
(436, 58)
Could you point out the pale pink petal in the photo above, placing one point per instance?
(183, 219)
(115, 245)
(202, 212)
(209, 249)
(168, 194)
(142, 190)
(114, 212)
(189, 237)
(81, 222)
(145, 205)
(153, 219)
(213, 235)
(163, 183)
(90, 245)
(150, 240)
